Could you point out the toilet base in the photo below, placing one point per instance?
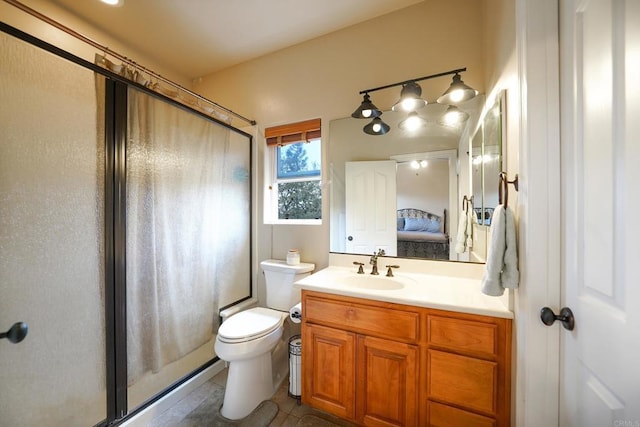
(249, 382)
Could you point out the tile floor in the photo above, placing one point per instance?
(290, 414)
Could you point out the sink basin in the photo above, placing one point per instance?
(377, 283)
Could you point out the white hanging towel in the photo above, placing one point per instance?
(501, 270)
(461, 237)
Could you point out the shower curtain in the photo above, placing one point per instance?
(180, 233)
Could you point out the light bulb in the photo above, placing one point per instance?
(415, 164)
(366, 113)
(409, 104)
(412, 123)
(456, 95)
(377, 127)
(423, 163)
(450, 118)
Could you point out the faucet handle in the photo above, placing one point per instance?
(390, 271)
(359, 264)
(380, 252)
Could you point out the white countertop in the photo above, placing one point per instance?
(423, 290)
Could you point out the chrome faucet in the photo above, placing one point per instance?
(374, 261)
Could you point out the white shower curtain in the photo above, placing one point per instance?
(178, 233)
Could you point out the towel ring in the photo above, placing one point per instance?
(503, 188)
(466, 201)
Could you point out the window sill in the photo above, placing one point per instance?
(294, 222)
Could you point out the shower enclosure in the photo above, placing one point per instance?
(125, 226)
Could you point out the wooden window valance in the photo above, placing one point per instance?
(293, 133)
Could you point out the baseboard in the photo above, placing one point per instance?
(144, 417)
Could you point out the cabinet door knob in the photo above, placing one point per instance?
(548, 317)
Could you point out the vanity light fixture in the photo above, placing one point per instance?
(410, 98)
(457, 92)
(376, 127)
(454, 116)
(412, 123)
(410, 101)
(366, 110)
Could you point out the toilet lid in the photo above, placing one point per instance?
(250, 324)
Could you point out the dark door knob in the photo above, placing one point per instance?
(16, 333)
(350, 238)
(566, 317)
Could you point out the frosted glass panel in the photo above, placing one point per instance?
(51, 234)
(188, 239)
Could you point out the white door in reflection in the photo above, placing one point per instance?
(370, 193)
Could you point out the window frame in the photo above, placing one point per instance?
(282, 136)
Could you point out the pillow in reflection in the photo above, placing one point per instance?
(421, 224)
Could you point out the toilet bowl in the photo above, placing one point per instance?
(246, 341)
(254, 343)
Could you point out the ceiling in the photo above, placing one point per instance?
(199, 37)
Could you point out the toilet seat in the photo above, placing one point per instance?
(250, 325)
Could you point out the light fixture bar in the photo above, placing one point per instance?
(433, 76)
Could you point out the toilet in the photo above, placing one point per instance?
(253, 343)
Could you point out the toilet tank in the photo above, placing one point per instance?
(279, 279)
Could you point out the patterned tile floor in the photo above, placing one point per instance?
(290, 413)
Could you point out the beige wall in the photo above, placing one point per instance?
(502, 74)
(322, 78)
(425, 188)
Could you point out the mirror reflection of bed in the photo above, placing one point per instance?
(422, 234)
(422, 203)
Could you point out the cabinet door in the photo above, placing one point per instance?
(387, 387)
(328, 367)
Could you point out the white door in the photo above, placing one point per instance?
(600, 101)
(370, 211)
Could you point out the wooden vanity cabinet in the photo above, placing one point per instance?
(466, 370)
(385, 364)
(370, 372)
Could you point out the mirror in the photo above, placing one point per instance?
(486, 160)
(430, 187)
(486, 164)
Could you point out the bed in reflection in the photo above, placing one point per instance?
(422, 234)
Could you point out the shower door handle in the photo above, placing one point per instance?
(16, 333)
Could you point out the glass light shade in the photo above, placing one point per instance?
(457, 92)
(410, 98)
(376, 127)
(453, 116)
(412, 123)
(366, 110)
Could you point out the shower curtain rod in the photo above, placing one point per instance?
(123, 58)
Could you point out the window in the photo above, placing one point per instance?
(294, 191)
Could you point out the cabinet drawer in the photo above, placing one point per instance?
(465, 335)
(447, 416)
(399, 325)
(462, 380)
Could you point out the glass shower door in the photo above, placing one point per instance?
(51, 239)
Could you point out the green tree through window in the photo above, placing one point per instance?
(299, 191)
